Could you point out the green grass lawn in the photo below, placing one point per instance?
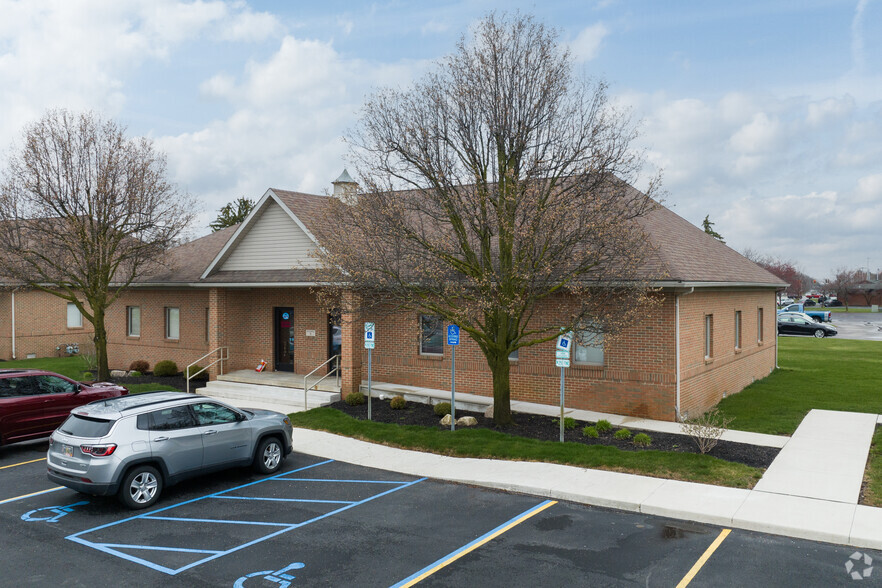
(842, 309)
(833, 374)
(873, 475)
(483, 443)
(72, 366)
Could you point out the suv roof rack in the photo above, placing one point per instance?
(133, 401)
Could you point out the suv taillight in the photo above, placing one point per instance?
(98, 450)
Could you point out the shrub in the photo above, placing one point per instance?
(441, 409)
(603, 426)
(569, 423)
(88, 376)
(355, 398)
(590, 432)
(622, 434)
(165, 368)
(139, 365)
(134, 374)
(706, 429)
(642, 440)
(193, 369)
(397, 403)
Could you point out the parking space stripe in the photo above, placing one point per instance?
(31, 494)
(469, 547)
(285, 527)
(186, 520)
(22, 463)
(339, 481)
(703, 559)
(151, 547)
(284, 499)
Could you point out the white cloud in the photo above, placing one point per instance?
(869, 189)
(587, 43)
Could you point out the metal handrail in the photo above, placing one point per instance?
(224, 356)
(307, 388)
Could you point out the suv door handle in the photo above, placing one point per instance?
(160, 439)
(210, 432)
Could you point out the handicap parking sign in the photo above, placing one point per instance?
(452, 335)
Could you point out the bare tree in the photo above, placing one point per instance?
(84, 210)
(845, 283)
(496, 186)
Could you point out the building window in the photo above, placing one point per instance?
(172, 323)
(431, 335)
(74, 316)
(589, 348)
(513, 356)
(737, 329)
(759, 325)
(708, 336)
(206, 325)
(133, 321)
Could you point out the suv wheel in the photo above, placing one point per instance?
(269, 456)
(141, 487)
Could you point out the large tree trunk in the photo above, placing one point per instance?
(500, 368)
(100, 340)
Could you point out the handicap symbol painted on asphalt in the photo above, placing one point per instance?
(278, 576)
(58, 511)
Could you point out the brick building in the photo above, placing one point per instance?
(249, 288)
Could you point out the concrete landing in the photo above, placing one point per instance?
(824, 459)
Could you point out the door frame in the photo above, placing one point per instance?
(277, 342)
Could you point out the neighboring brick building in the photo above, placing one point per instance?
(249, 288)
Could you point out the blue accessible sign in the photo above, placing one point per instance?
(369, 335)
(452, 335)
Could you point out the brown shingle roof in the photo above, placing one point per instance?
(683, 253)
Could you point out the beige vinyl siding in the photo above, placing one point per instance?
(273, 242)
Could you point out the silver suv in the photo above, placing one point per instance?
(135, 445)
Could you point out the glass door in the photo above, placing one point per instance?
(283, 328)
(335, 338)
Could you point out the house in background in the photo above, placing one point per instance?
(249, 290)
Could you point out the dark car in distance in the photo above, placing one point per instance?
(796, 324)
(34, 402)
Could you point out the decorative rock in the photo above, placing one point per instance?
(489, 412)
(467, 421)
(446, 420)
(118, 373)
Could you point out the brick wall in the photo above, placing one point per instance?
(705, 381)
(40, 325)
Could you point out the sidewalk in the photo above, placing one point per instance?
(783, 508)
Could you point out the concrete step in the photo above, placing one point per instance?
(279, 398)
(279, 380)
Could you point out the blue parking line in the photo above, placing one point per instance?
(283, 499)
(343, 481)
(214, 554)
(158, 548)
(186, 520)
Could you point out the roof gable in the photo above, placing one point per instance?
(271, 237)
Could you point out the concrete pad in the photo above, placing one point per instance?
(812, 484)
(715, 505)
(866, 529)
(794, 516)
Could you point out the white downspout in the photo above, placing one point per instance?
(13, 325)
(677, 328)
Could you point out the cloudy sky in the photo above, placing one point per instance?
(764, 114)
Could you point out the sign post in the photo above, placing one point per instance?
(369, 339)
(562, 360)
(453, 341)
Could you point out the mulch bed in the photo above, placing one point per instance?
(178, 382)
(547, 429)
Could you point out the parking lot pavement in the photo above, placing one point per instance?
(864, 326)
(328, 523)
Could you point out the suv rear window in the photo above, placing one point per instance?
(81, 426)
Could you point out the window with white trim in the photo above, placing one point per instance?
(172, 323)
(708, 336)
(74, 316)
(759, 325)
(737, 329)
(133, 321)
(589, 347)
(431, 335)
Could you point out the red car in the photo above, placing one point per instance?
(34, 402)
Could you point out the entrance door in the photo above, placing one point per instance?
(335, 338)
(283, 327)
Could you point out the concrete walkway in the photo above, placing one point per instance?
(794, 502)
